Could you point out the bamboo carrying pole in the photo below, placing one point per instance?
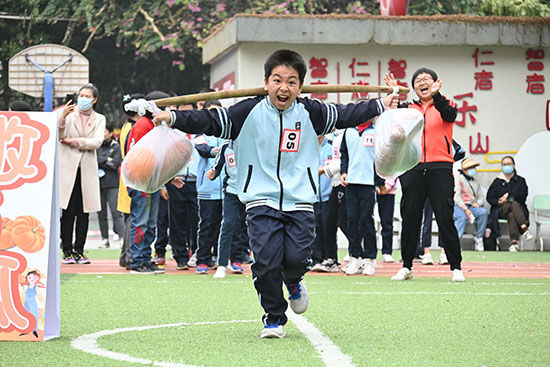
(250, 92)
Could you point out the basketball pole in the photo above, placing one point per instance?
(48, 81)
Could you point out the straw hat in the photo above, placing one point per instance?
(468, 163)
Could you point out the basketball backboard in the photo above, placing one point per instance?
(25, 77)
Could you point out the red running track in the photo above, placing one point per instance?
(471, 269)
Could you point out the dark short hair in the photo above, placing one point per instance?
(510, 157)
(212, 102)
(95, 92)
(288, 58)
(423, 71)
(109, 127)
(127, 98)
(156, 94)
(20, 106)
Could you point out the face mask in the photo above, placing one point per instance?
(84, 103)
(471, 172)
(507, 169)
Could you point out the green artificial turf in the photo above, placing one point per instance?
(377, 322)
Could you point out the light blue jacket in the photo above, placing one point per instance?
(277, 152)
(209, 189)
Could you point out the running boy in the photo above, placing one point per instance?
(277, 155)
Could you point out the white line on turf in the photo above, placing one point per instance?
(88, 343)
(330, 353)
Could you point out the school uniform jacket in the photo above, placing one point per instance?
(357, 157)
(225, 161)
(277, 152)
(208, 189)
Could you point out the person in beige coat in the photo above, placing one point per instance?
(81, 131)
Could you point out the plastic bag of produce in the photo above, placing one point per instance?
(398, 141)
(156, 158)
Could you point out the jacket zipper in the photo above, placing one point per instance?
(279, 160)
(312, 182)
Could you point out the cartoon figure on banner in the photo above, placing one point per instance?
(27, 233)
(21, 141)
(31, 278)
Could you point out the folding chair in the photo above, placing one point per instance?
(541, 204)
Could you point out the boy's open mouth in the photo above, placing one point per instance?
(282, 99)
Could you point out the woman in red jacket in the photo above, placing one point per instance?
(432, 177)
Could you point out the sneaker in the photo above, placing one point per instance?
(192, 263)
(68, 260)
(155, 268)
(116, 237)
(478, 244)
(316, 267)
(458, 276)
(527, 236)
(328, 266)
(298, 296)
(443, 259)
(403, 274)
(160, 261)
(427, 259)
(182, 266)
(347, 258)
(104, 243)
(354, 266)
(247, 259)
(387, 258)
(220, 272)
(272, 331)
(368, 266)
(513, 248)
(201, 269)
(142, 269)
(81, 259)
(235, 267)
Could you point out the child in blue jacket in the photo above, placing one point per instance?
(277, 155)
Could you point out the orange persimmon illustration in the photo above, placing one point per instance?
(28, 233)
(6, 238)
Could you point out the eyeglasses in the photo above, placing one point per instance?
(425, 79)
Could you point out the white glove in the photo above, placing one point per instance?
(141, 106)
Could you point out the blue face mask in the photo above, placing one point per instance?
(84, 103)
(471, 172)
(507, 169)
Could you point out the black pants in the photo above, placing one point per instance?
(125, 258)
(210, 219)
(162, 228)
(183, 220)
(386, 204)
(337, 217)
(318, 248)
(281, 243)
(360, 205)
(74, 212)
(437, 184)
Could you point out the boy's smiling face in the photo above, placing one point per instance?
(283, 86)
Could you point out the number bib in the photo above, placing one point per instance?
(368, 140)
(230, 160)
(290, 141)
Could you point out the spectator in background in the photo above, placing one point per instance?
(124, 200)
(507, 195)
(108, 161)
(19, 106)
(432, 177)
(385, 196)
(469, 201)
(81, 133)
(337, 215)
(360, 179)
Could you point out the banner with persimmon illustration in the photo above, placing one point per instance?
(29, 231)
